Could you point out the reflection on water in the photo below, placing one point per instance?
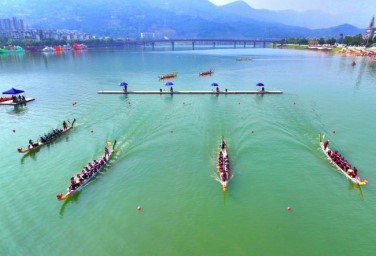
(14, 57)
(224, 197)
(71, 199)
(372, 68)
(259, 98)
(362, 69)
(353, 186)
(30, 154)
(18, 110)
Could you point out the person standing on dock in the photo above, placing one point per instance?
(171, 89)
(125, 86)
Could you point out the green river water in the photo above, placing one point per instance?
(166, 154)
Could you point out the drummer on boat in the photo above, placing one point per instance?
(64, 125)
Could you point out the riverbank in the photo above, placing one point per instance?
(343, 50)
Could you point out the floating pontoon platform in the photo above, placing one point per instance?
(11, 103)
(190, 92)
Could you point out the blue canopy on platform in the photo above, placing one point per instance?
(260, 84)
(214, 84)
(169, 83)
(123, 84)
(13, 91)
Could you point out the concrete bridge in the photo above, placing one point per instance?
(213, 43)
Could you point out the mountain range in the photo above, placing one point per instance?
(172, 18)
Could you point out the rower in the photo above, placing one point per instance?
(64, 125)
(326, 143)
(73, 183)
(355, 171)
(42, 140)
(223, 174)
(106, 152)
(350, 172)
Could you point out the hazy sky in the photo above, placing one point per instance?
(330, 6)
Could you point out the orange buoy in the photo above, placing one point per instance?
(139, 208)
(289, 208)
(14, 130)
(91, 131)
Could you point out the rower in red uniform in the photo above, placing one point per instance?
(326, 143)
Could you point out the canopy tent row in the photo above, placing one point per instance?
(171, 91)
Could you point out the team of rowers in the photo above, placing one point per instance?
(46, 138)
(223, 163)
(340, 161)
(88, 171)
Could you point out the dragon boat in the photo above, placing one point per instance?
(342, 165)
(223, 165)
(79, 180)
(55, 134)
(167, 76)
(206, 73)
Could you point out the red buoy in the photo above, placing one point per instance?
(139, 208)
(289, 208)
